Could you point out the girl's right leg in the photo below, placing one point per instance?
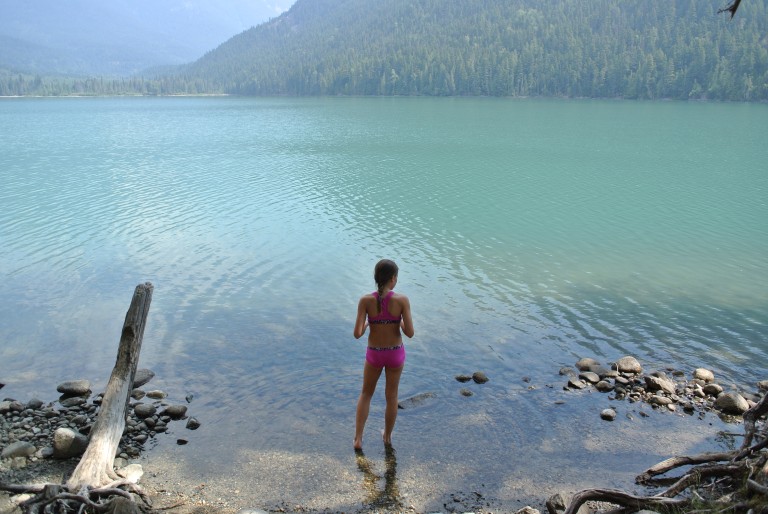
(371, 375)
(390, 391)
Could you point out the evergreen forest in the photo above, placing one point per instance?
(636, 49)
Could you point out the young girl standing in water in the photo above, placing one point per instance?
(388, 314)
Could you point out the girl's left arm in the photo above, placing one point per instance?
(406, 325)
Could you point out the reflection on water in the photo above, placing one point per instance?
(386, 495)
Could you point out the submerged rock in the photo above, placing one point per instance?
(416, 400)
(142, 377)
(479, 377)
(585, 363)
(704, 374)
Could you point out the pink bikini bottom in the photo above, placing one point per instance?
(392, 357)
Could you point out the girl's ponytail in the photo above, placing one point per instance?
(384, 271)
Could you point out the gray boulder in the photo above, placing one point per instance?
(175, 411)
(142, 377)
(75, 388)
(144, 410)
(628, 364)
(18, 449)
(731, 403)
(704, 375)
(67, 443)
(585, 363)
(659, 384)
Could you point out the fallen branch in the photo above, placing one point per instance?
(676, 462)
(659, 503)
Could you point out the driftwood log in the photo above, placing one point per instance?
(94, 486)
(740, 476)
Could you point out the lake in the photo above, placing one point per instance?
(529, 233)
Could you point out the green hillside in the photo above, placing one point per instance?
(649, 49)
(572, 48)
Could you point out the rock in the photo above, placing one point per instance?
(763, 385)
(588, 376)
(608, 414)
(584, 364)
(712, 389)
(138, 394)
(131, 472)
(704, 374)
(156, 394)
(567, 371)
(560, 501)
(10, 406)
(463, 378)
(660, 400)
(466, 392)
(193, 424)
(575, 383)
(175, 411)
(72, 401)
(416, 400)
(659, 384)
(181, 442)
(142, 377)
(18, 449)
(731, 403)
(604, 386)
(252, 511)
(628, 364)
(68, 443)
(34, 404)
(528, 510)
(75, 388)
(479, 377)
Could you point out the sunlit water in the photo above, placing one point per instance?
(529, 233)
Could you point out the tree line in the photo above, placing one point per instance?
(638, 49)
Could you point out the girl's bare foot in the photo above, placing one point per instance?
(387, 439)
(358, 444)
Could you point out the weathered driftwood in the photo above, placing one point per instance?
(94, 485)
(95, 468)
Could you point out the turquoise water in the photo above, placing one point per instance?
(529, 233)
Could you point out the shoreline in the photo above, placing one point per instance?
(169, 482)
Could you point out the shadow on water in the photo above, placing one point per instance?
(388, 496)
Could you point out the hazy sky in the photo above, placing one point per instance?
(144, 33)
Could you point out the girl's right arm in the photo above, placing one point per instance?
(360, 321)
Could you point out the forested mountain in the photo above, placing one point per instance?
(677, 49)
(573, 48)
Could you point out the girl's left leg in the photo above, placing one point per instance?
(371, 376)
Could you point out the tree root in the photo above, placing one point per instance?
(741, 476)
(56, 498)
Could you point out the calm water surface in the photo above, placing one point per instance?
(529, 233)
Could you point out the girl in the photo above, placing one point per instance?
(388, 315)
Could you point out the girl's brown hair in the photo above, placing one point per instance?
(384, 271)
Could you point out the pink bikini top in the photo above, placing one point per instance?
(384, 316)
